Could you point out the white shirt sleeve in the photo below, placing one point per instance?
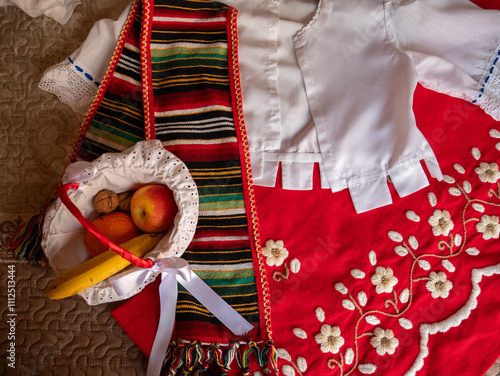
(76, 79)
(454, 45)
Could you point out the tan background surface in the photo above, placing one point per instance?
(65, 337)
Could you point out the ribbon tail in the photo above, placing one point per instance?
(168, 303)
(127, 280)
(215, 304)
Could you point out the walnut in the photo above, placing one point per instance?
(105, 202)
(124, 199)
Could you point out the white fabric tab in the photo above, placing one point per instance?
(322, 173)
(433, 167)
(269, 173)
(297, 176)
(371, 195)
(409, 180)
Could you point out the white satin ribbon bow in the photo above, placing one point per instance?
(173, 270)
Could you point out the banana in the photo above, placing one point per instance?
(99, 268)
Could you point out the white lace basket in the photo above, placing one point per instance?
(145, 163)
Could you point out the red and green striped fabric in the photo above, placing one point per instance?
(171, 78)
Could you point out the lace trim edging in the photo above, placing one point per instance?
(488, 97)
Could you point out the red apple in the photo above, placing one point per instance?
(153, 208)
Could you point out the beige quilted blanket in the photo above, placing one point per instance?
(65, 337)
(39, 336)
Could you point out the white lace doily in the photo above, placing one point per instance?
(144, 163)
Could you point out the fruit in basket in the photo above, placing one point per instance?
(124, 199)
(116, 226)
(97, 269)
(105, 202)
(153, 208)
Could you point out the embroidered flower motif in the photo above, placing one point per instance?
(488, 172)
(439, 285)
(329, 339)
(441, 222)
(384, 341)
(489, 227)
(384, 279)
(275, 252)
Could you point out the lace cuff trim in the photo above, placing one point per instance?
(488, 97)
(72, 83)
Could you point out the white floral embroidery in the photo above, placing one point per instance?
(476, 153)
(494, 133)
(347, 304)
(473, 251)
(395, 236)
(362, 298)
(448, 179)
(384, 341)
(438, 285)
(367, 368)
(295, 266)
(320, 314)
(358, 274)
(372, 320)
(372, 256)
(457, 240)
(404, 296)
(497, 146)
(349, 356)
(459, 168)
(478, 207)
(488, 172)
(413, 242)
(302, 364)
(340, 287)
(405, 323)
(441, 222)
(400, 250)
(329, 339)
(300, 333)
(424, 264)
(489, 227)
(454, 191)
(467, 186)
(448, 265)
(412, 216)
(283, 354)
(432, 199)
(275, 252)
(383, 279)
(288, 370)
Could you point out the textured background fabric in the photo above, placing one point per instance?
(37, 132)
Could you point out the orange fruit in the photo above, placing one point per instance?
(116, 226)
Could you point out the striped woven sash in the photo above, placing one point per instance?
(174, 77)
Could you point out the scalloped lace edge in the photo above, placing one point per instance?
(69, 86)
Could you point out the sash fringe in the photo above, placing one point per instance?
(26, 244)
(197, 359)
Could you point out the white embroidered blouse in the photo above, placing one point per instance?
(332, 82)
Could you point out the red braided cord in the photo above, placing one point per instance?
(62, 192)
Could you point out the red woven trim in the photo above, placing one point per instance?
(105, 82)
(147, 78)
(250, 204)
